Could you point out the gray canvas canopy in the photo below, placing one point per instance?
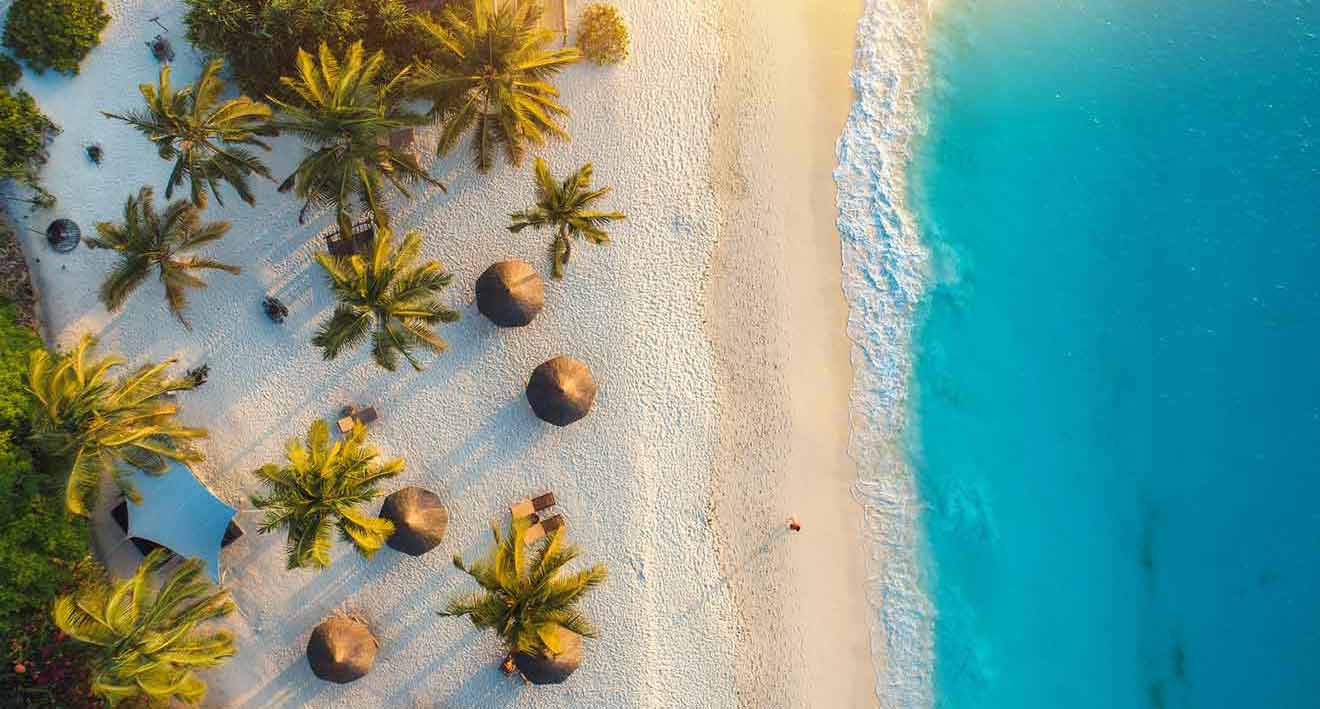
(179, 513)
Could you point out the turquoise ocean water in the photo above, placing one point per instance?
(1115, 390)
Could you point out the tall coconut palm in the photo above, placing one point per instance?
(149, 643)
(384, 291)
(345, 116)
(89, 423)
(524, 597)
(148, 240)
(564, 206)
(203, 136)
(494, 78)
(320, 488)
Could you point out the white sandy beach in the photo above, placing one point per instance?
(714, 326)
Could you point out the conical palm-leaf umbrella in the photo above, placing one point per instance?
(561, 391)
(510, 293)
(341, 650)
(552, 669)
(419, 520)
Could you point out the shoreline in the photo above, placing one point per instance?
(777, 319)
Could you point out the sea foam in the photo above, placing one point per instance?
(885, 272)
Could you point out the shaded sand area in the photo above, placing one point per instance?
(713, 326)
(778, 319)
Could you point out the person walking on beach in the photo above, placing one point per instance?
(793, 524)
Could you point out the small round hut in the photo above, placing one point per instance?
(341, 650)
(510, 293)
(561, 390)
(419, 520)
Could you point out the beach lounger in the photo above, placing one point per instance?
(359, 241)
(352, 415)
(542, 528)
(527, 508)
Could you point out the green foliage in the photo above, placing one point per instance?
(602, 35)
(24, 132)
(344, 115)
(492, 78)
(90, 423)
(149, 240)
(54, 34)
(43, 549)
(564, 206)
(524, 597)
(261, 38)
(203, 136)
(10, 71)
(321, 487)
(148, 641)
(387, 292)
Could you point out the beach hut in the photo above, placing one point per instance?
(510, 293)
(561, 390)
(178, 512)
(63, 235)
(552, 669)
(341, 650)
(419, 520)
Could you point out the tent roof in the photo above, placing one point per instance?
(179, 512)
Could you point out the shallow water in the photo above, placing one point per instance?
(1116, 407)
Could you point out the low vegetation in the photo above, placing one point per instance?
(88, 424)
(148, 643)
(10, 71)
(24, 133)
(319, 490)
(202, 135)
(345, 113)
(602, 36)
(43, 550)
(384, 295)
(148, 240)
(525, 597)
(565, 207)
(491, 79)
(54, 34)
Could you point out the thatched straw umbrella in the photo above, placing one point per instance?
(63, 235)
(554, 669)
(561, 390)
(510, 293)
(419, 520)
(341, 650)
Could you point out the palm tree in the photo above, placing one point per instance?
(89, 423)
(495, 77)
(147, 240)
(564, 206)
(202, 135)
(321, 487)
(524, 598)
(149, 642)
(345, 117)
(386, 292)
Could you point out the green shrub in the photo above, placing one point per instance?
(260, 39)
(43, 549)
(10, 71)
(54, 34)
(24, 132)
(602, 35)
(16, 342)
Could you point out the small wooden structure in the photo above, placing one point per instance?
(359, 241)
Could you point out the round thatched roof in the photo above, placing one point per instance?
(419, 520)
(63, 235)
(552, 670)
(510, 293)
(341, 650)
(561, 390)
